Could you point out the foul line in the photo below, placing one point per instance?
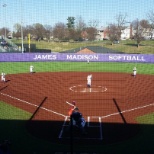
(37, 109)
(117, 113)
(109, 115)
(69, 103)
(100, 122)
(61, 132)
(129, 110)
(32, 104)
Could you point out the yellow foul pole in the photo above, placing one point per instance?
(29, 41)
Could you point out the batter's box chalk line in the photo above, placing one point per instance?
(83, 89)
(65, 124)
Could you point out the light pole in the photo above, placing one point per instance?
(22, 44)
(4, 5)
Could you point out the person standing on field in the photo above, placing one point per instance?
(89, 78)
(72, 108)
(77, 120)
(87, 60)
(31, 69)
(134, 72)
(3, 77)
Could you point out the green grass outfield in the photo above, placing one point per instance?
(13, 120)
(23, 67)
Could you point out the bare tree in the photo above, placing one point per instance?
(60, 31)
(48, 32)
(17, 27)
(138, 31)
(3, 30)
(145, 23)
(115, 29)
(121, 20)
(29, 29)
(91, 33)
(93, 23)
(38, 30)
(146, 26)
(80, 24)
(113, 33)
(150, 16)
(75, 33)
(17, 30)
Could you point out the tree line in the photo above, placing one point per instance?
(77, 30)
(139, 27)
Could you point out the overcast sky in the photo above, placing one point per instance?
(49, 12)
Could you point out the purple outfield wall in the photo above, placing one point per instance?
(37, 57)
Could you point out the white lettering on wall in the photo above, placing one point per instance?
(126, 58)
(82, 57)
(45, 57)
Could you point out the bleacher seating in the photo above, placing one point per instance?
(7, 45)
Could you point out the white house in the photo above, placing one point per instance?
(148, 34)
(100, 34)
(126, 33)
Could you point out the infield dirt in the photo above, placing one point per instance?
(109, 107)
